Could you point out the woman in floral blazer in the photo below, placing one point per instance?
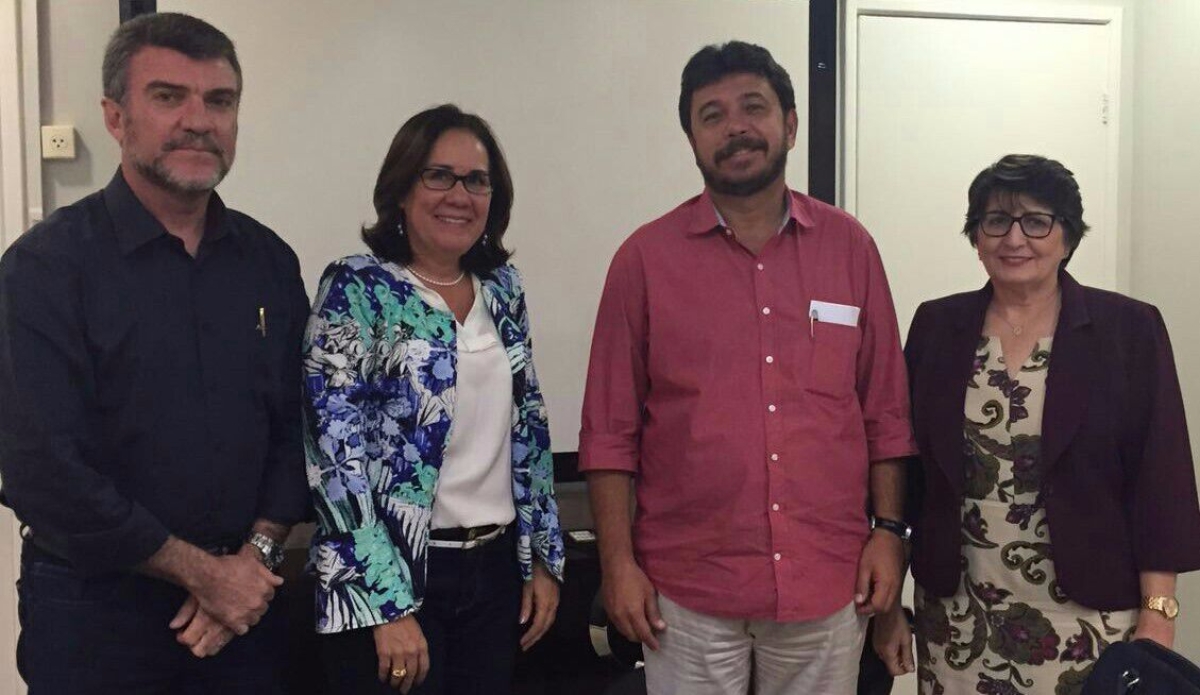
(437, 526)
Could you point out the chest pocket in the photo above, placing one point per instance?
(834, 359)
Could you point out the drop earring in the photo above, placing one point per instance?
(400, 227)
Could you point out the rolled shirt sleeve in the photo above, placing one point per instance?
(617, 377)
(46, 385)
(881, 375)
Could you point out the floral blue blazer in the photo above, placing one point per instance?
(379, 376)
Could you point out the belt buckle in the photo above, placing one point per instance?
(472, 533)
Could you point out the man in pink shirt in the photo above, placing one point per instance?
(746, 372)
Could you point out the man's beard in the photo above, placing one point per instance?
(745, 187)
(156, 171)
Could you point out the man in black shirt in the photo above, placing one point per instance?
(150, 440)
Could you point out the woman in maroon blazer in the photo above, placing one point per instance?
(1057, 499)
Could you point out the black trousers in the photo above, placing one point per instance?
(110, 634)
(469, 617)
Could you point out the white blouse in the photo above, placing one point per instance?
(475, 484)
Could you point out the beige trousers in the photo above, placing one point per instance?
(703, 655)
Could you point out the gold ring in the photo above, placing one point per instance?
(398, 673)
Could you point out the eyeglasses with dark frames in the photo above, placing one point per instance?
(476, 182)
(1035, 225)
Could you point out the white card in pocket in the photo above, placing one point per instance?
(828, 312)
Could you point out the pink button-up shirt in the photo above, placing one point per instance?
(748, 424)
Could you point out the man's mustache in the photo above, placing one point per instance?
(195, 142)
(744, 142)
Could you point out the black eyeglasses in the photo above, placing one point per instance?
(477, 182)
(1035, 225)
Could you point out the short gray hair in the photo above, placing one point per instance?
(195, 38)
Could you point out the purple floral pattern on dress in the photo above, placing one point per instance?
(1008, 630)
(1013, 391)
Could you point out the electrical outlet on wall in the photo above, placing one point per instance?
(58, 142)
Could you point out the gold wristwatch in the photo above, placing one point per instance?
(1167, 605)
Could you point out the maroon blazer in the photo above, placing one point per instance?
(1118, 482)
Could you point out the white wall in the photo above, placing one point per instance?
(72, 36)
(19, 107)
(1166, 211)
(581, 93)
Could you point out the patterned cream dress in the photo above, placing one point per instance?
(1008, 630)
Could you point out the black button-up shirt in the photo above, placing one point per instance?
(146, 392)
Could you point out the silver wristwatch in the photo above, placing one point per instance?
(272, 550)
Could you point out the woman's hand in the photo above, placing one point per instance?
(893, 640)
(403, 653)
(539, 597)
(1153, 625)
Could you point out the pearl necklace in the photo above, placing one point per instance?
(438, 283)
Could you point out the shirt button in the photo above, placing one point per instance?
(771, 407)
(774, 457)
(728, 232)
(766, 310)
(774, 507)
(770, 359)
(778, 557)
(760, 266)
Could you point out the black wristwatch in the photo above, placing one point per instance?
(897, 527)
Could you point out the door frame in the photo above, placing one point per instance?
(20, 205)
(1117, 245)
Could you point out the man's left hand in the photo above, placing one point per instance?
(879, 573)
(539, 597)
(199, 631)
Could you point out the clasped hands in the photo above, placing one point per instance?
(227, 596)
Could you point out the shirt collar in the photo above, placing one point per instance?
(706, 218)
(135, 226)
